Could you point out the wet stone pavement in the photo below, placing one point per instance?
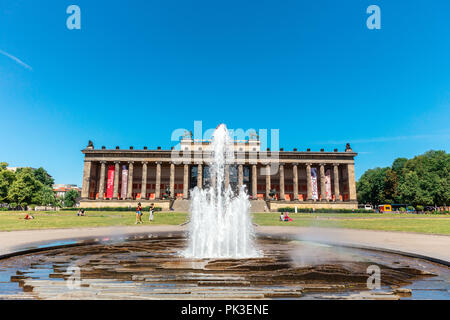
(152, 268)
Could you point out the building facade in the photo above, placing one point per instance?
(305, 179)
(60, 190)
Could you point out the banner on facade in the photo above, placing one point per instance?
(314, 192)
(328, 184)
(123, 192)
(110, 182)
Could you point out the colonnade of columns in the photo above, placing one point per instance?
(282, 169)
(87, 179)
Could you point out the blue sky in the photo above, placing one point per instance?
(137, 70)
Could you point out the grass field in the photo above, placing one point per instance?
(68, 219)
(434, 224)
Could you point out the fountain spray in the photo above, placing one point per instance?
(220, 225)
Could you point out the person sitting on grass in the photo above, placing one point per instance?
(286, 217)
(282, 216)
(139, 213)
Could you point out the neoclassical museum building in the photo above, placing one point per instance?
(305, 179)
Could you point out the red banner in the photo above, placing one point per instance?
(110, 182)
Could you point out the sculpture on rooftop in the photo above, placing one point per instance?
(187, 134)
(348, 148)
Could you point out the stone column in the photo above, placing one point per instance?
(254, 182)
(336, 181)
(86, 179)
(130, 180)
(295, 181)
(282, 195)
(308, 182)
(116, 180)
(323, 192)
(227, 175)
(186, 181)
(351, 182)
(172, 181)
(199, 175)
(267, 181)
(240, 175)
(158, 181)
(144, 181)
(101, 187)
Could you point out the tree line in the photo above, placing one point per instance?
(421, 181)
(26, 187)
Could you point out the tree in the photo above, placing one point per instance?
(42, 175)
(25, 189)
(46, 196)
(423, 180)
(371, 186)
(6, 179)
(70, 198)
(398, 165)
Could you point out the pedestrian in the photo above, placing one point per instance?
(139, 214)
(152, 208)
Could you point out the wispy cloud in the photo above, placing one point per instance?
(388, 139)
(23, 64)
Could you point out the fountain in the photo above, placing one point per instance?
(220, 224)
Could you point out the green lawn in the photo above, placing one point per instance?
(435, 224)
(68, 219)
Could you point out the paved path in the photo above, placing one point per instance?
(12, 241)
(434, 246)
(428, 245)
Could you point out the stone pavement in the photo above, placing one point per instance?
(432, 246)
(427, 245)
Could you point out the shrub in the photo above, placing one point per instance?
(419, 208)
(401, 209)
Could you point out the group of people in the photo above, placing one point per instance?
(284, 217)
(81, 213)
(139, 213)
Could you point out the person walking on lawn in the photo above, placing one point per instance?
(139, 214)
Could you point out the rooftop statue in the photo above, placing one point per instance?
(348, 148)
(187, 134)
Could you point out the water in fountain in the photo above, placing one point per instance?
(220, 225)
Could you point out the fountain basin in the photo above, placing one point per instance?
(141, 267)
